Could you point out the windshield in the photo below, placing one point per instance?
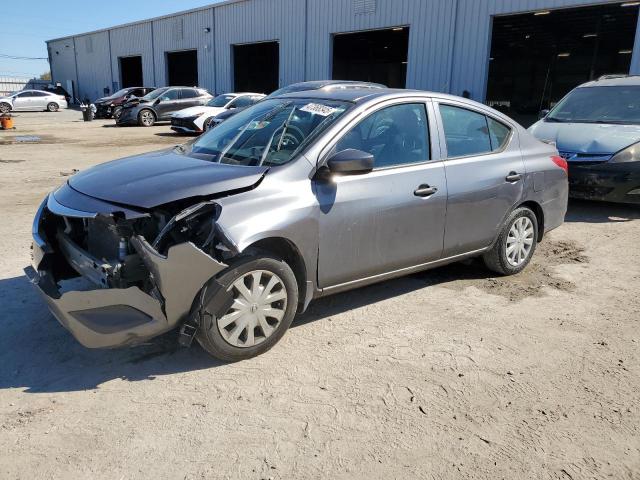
(270, 133)
(220, 101)
(120, 93)
(155, 94)
(599, 105)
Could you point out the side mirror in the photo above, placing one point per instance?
(350, 162)
(231, 107)
(543, 113)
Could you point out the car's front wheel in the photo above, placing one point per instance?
(117, 111)
(5, 108)
(52, 107)
(146, 118)
(516, 243)
(250, 308)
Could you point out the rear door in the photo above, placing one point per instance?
(170, 101)
(485, 175)
(191, 98)
(40, 100)
(393, 217)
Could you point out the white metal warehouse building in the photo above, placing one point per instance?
(506, 52)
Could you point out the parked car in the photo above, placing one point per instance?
(32, 100)
(297, 197)
(160, 104)
(111, 106)
(596, 128)
(325, 85)
(194, 119)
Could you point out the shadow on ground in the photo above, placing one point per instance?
(601, 212)
(39, 355)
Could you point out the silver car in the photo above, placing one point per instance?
(295, 198)
(35, 100)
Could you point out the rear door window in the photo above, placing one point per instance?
(189, 93)
(466, 132)
(469, 133)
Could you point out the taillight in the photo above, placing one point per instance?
(561, 162)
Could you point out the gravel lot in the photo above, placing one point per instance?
(451, 373)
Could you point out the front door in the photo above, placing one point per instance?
(393, 217)
(485, 175)
(22, 101)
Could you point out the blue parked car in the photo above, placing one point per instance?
(596, 128)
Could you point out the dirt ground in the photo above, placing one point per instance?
(446, 374)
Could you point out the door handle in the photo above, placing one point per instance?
(425, 191)
(513, 177)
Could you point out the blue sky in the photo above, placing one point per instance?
(26, 25)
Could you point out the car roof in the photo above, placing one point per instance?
(357, 95)
(613, 81)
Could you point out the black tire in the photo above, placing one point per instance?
(497, 259)
(116, 113)
(219, 295)
(52, 107)
(5, 108)
(146, 118)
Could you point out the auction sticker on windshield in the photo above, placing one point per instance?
(318, 109)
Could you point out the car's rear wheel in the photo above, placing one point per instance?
(516, 243)
(52, 107)
(5, 108)
(116, 113)
(250, 309)
(146, 118)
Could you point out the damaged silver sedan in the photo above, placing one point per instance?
(228, 237)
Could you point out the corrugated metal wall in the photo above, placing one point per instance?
(94, 65)
(449, 40)
(63, 62)
(129, 41)
(186, 32)
(259, 21)
(430, 35)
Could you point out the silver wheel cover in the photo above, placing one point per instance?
(519, 241)
(259, 305)
(147, 117)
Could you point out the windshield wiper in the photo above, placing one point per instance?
(555, 120)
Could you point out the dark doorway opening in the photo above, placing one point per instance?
(182, 68)
(131, 71)
(538, 57)
(256, 67)
(374, 56)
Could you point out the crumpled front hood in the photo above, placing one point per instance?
(110, 99)
(156, 178)
(586, 137)
(192, 111)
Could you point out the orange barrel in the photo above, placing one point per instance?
(6, 122)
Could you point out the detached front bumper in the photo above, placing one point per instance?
(113, 317)
(608, 182)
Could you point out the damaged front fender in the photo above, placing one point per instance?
(179, 276)
(113, 317)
